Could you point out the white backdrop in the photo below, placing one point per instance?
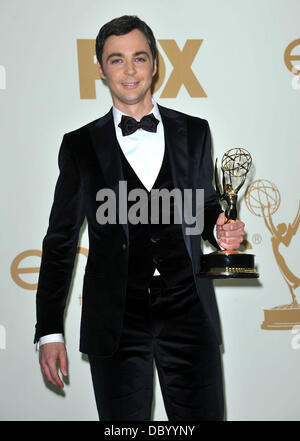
(252, 102)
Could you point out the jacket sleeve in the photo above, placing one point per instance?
(59, 245)
(212, 207)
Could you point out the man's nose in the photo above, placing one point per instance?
(130, 68)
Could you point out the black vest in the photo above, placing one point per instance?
(158, 245)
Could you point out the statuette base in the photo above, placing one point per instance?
(227, 264)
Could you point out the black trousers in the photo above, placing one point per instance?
(167, 325)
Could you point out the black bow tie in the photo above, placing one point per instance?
(129, 125)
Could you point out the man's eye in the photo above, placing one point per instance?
(140, 59)
(116, 61)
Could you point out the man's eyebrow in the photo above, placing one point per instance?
(141, 53)
(119, 54)
(114, 54)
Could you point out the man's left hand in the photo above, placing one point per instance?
(229, 235)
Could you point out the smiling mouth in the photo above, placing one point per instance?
(130, 84)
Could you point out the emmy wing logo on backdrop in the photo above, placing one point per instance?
(263, 200)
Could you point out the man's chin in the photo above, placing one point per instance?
(131, 100)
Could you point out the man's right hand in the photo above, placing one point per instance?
(50, 354)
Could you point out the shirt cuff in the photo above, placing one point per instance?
(50, 338)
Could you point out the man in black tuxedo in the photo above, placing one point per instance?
(143, 299)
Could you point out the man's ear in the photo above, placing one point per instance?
(154, 67)
(101, 73)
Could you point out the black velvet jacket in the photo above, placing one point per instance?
(89, 161)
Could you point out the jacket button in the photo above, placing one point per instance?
(124, 246)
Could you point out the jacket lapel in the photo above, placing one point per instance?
(106, 147)
(175, 129)
(176, 143)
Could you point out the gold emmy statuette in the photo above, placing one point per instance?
(263, 200)
(236, 164)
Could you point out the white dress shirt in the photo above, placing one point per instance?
(144, 151)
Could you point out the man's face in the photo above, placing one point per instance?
(128, 68)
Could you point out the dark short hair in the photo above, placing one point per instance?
(121, 26)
